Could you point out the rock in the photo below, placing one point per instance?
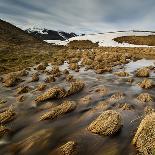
(108, 123)
(144, 139)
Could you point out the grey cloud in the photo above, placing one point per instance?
(80, 15)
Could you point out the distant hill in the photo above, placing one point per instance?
(46, 34)
(19, 49)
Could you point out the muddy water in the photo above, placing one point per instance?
(72, 126)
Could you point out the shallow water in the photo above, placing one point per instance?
(72, 126)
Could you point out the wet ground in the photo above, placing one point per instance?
(73, 125)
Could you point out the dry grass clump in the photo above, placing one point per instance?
(146, 83)
(122, 74)
(38, 140)
(20, 98)
(103, 70)
(75, 87)
(41, 66)
(2, 101)
(144, 139)
(102, 90)
(148, 110)
(55, 92)
(23, 89)
(41, 87)
(22, 73)
(55, 71)
(69, 78)
(65, 71)
(58, 92)
(116, 97)
(74, 66)
(65, 107)
(85, 100)
(108, 123)
(35, 77)
(3, 130)
(145, 97)
(125, 106)
(50, 79)
(68, 149)
(11, 80)
(143, 72)
(7, 116)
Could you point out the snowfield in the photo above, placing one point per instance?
(105, 39)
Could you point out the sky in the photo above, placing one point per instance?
(80, 16)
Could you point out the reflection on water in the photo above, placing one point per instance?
(72, 126)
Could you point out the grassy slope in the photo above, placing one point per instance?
(137, 40)
(19, 49)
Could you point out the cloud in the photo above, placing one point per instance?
(85, 16)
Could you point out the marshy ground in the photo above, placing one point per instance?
(79, 101)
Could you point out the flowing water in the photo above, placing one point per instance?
(73, 125)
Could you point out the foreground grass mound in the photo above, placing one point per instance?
(144, 139)
(108, 123)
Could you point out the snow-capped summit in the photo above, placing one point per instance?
(46, 34)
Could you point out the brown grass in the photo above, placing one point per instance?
(65, 107)
(143, 72)
(3, 130)
(145, 97)
(144, 139)
(7, 116)
(108, 123)
(146, 84)
(121, 74)
(137, 40)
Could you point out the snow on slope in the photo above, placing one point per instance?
(106, 39)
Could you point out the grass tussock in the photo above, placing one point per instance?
(145, 97)
(144, 139)
(116, 97)
(146, 84)
(65, 107)
(125, 106)
(22, 89)
(148, 110)
(50, 79)
(35, 77)
(108, 123)
(7, 116)
(68, 149)
(41, 87)
(122, 74)
(143, 72)
(3, 130)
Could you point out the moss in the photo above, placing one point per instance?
(144, 139)
(108, 123)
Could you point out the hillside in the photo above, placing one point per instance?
(18, 49)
